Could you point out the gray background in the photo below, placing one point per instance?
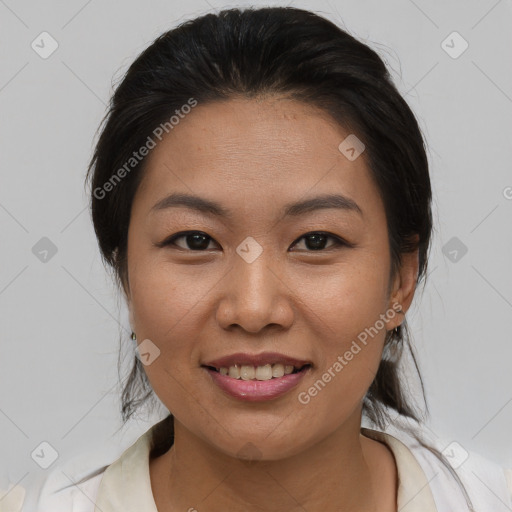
(60, 319)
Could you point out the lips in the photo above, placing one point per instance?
(257, 390)
(261, 359)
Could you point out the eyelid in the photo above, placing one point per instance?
(170, 239)
(339, 241)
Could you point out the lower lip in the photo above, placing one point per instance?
(257, 390)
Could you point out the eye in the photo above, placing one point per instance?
(194, 240)
(199, 241)
(316, 240)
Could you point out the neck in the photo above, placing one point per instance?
(336, 470)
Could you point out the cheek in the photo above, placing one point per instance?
(346, 309)
(347, 298)
(165, 297)
(165, 314)
(349, 354)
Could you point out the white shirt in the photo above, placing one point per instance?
(424, 483)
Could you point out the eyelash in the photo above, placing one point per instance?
(339, 242)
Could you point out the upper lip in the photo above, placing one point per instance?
(256, 360)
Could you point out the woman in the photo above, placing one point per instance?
(261, 191)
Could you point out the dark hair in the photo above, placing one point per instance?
(285, 52)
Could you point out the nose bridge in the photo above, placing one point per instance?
(254, 291)
(252, 273)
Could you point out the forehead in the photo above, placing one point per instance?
(261, 151)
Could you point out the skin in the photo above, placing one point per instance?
(253, 157)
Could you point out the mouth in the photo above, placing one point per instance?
(257, 384)
(259, 373)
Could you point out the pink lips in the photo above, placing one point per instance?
(257, 390)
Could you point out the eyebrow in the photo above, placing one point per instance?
(209, 207)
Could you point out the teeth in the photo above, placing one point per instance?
(234, 372)
(247, 372)
(266, 372)
(278, 370)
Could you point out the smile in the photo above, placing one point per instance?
(258, 383)
(265, 372)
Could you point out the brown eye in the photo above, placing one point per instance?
(317, 241)
(194, 241)
(199, 241)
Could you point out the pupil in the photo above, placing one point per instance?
(202, 239)
(318, 241)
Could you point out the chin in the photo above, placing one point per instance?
(254, 447)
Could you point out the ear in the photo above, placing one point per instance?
(404, 287)
(125, 288)
(122, 270)
(129, 303)
(130, 313)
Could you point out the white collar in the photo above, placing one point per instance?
(126, 483)
(414, 491)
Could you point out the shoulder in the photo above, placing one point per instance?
(508, 478)
(487, 484)
(67, 487)
(62, 489)
(74, 483)
(97, 478)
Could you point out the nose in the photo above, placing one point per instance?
(256, 296)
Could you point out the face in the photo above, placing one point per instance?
(305, 283)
